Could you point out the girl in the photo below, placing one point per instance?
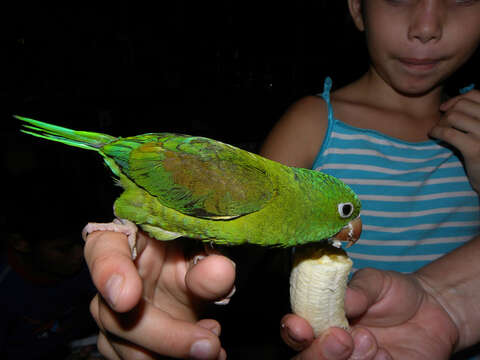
(417, 202)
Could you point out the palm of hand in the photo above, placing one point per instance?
(162, 268)
(406, 320)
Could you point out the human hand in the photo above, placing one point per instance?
(150, 306)
(460, 127)
(393, 316)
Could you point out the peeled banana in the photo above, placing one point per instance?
(318, 282)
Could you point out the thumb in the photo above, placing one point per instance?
(212, 278)
(364, 290)
(112, 269)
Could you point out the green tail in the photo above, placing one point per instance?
(82, 139)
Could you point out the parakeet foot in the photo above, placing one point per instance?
(118, 225)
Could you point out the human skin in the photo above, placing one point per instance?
(429, 314)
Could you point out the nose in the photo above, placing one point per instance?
(426, 22)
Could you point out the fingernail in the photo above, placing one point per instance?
(114, 287)
(223, 355)
(293, 336)
(333, 348)
(363, 344)
(201, 349)
(215, 330)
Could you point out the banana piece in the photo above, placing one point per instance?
(317, 286)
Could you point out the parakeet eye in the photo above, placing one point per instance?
(345, 209)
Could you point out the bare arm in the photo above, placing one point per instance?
(455, 282)
(297, 137)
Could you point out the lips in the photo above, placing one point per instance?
(419, 63)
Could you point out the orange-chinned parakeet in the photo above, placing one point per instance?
(178, 185)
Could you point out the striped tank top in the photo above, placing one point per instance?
(417, 202)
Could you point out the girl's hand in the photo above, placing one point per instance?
(460, 127)
(393, 316)
(150, 306)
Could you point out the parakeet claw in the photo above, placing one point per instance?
(198, 258)
(118, 225)
(227, 298)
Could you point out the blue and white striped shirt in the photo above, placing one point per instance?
(417, 202)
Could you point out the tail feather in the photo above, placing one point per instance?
(82, 139)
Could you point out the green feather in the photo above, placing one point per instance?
(180, 185)
(82, 139)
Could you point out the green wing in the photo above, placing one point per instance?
(194, 175)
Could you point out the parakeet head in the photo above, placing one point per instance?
(335, 210)
(348, 213)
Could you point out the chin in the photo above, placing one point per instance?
(416, 87)
(410, 82)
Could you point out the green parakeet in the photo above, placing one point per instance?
(178, 185)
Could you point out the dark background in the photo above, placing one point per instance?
(221, 69)
(225, 69)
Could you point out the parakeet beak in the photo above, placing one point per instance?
(351, 232)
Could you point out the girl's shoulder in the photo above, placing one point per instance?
(298, 135)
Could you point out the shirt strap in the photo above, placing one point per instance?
(327, 86)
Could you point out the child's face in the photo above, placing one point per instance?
(415, 45)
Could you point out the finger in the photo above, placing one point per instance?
(466, 143)
(211, 325)
(112, 346)
(356, 302)
(105, 348)
(214, 327)
(365, 345)
(296, 332)
(128, 350)
(113, 272)
(212, 278)
(462, 120)
(156, 331)
(465, 116)
(223, 354)
(334, 344)
(94, 310)
(385, 307)
(383, 354)
(473, 95)
(363, 291)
